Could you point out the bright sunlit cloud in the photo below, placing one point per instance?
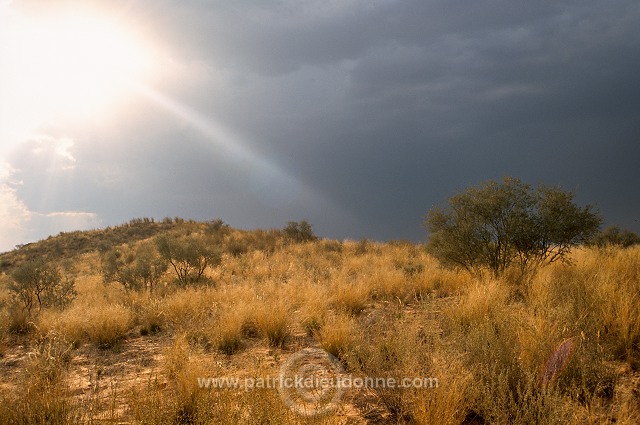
(20, 224)
(57, 68)
(65, 66)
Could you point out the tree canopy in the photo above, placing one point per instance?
(497, 225)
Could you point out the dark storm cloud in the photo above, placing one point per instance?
(380, 108)
(390, 107)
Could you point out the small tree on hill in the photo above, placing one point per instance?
(136, 269)
(494, 226)
(39, 283)
(299, 232)
(189, 256)
(613, 235)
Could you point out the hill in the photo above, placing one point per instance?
(70, 244)
(409, 340)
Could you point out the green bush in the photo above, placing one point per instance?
(189, 256)
(136, 269)
(299, 232)
(216, 226)
(613, 235)
(495, 226)
(39, 283)
(237, 247)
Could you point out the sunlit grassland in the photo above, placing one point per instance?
(383, 309)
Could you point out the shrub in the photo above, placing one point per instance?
(189, 256)
(613, 235)
(299, 232)
(36, 282)
(265, 240)
(496, 225)
(237, 247)
(216, 226)
(136, 269)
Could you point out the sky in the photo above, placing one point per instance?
(356, 115)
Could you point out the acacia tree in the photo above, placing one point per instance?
(299, 231)
(614, 235)
(135, 269)
(497, 225)
(37, 282)
(189, 256)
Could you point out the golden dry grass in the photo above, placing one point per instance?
(382, 309)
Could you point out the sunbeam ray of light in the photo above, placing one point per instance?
(213, 131)
(270, 184)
